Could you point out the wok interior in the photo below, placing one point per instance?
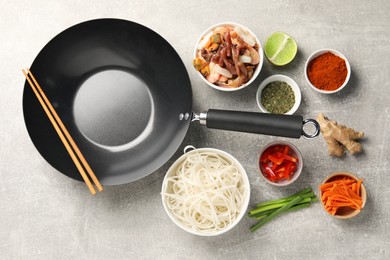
(108, 103)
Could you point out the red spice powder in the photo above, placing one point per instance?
(327, 71)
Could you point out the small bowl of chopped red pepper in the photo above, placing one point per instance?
(280, 163)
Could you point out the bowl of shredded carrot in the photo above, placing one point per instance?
(343, 195)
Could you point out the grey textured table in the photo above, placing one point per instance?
(44, 215)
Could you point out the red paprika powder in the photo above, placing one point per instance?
(327, 71)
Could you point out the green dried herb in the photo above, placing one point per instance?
(278, 97)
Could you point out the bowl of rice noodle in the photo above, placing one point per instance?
(206, 191)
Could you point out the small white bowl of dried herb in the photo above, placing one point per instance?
(278, 94)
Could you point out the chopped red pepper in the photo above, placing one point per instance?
(286, 149)
(280, 169)
(290, 167)
(264, 157)
(293, 167)
(286, 157)
(270, 174)
(275, 159)
(278, 162)
(274, 166)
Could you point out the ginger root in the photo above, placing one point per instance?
(338, 137)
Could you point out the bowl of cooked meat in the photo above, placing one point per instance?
(228, 56)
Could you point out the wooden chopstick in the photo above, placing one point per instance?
(58, 124)
(68, 136)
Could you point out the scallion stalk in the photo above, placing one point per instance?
(276, 213)
(302, 192)
(293, 208)
(270, 208)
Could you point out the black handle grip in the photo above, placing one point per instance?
(259, 123)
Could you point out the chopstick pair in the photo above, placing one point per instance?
(64, 135)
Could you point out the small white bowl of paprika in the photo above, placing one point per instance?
(327, 71)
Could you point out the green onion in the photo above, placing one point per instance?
(268, 210)
(276, 213)
(293, 208)
(308, 189)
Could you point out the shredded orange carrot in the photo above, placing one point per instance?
(354, 187)
(338, 181)
(341, 192)
(358, 187)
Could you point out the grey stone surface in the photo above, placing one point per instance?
(44, 215)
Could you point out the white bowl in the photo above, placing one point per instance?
(289, 81)
(337, 53)
(255, 73)
(297, 172)
(245, 180)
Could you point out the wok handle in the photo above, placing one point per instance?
(259, 123)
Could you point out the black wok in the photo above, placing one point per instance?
(125, 96)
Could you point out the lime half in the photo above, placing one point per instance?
(280, 48)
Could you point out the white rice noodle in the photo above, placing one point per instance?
(206, 193)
